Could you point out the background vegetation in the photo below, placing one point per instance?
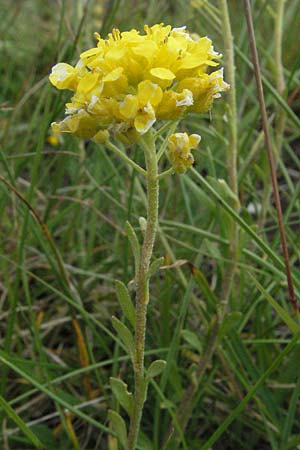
(247, 395)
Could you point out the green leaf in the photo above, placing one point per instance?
(119, 426)
(19, 422)
(125, 302)
(144, 442)
(156, 368)
(230, 322)
(135, 246)
(192, 339)
(155, 265)
(224, 190)
(121, 393)
(125, 335)
(288, 423)
(280, 311)
(206, 290)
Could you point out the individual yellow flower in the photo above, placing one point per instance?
(130, 80)
(53, 140)
(64, 76)
(205, 89)
(174, 104)
(179, 150)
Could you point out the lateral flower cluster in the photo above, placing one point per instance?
(129, 81)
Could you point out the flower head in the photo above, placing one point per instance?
(179, 150)
(131, 80)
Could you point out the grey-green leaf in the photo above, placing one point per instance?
(125, 302)
(119, 426)
(135, 246)
(121, 393)
(156, 368)
(125, 335)
(155, 265)
(192, 339)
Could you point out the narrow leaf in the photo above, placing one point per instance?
(224, 190)
(19, 422)
(156, 368)
(121, 393)
(125, 335)
(155, 265)
(290, 417)
(230, 322)
(203, 284)
(5, 359)
(135, 246)
(280, 311)
(192, 339)
(119, 427)
(125, 302)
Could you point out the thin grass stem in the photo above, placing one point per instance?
(271, 159)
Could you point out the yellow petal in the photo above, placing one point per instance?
(129, 107)
(87, 83)
(149, 92)
(185, 98)
(114, 74)
(194, 140)
(145, 48)
(145, 119)
(190, 62)
(63, 76)
(91, 52)
(162, 73)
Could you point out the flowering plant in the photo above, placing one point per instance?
(122, 87)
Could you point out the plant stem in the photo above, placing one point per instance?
(231, 151)
(280, 82)
(142, 281)
(125, 158)
(230, 76)
(280, 117)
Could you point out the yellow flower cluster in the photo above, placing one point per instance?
(179, 150)
(129, 81)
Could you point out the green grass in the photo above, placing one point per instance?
(247, 394)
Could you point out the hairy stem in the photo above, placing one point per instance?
(142, 281)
